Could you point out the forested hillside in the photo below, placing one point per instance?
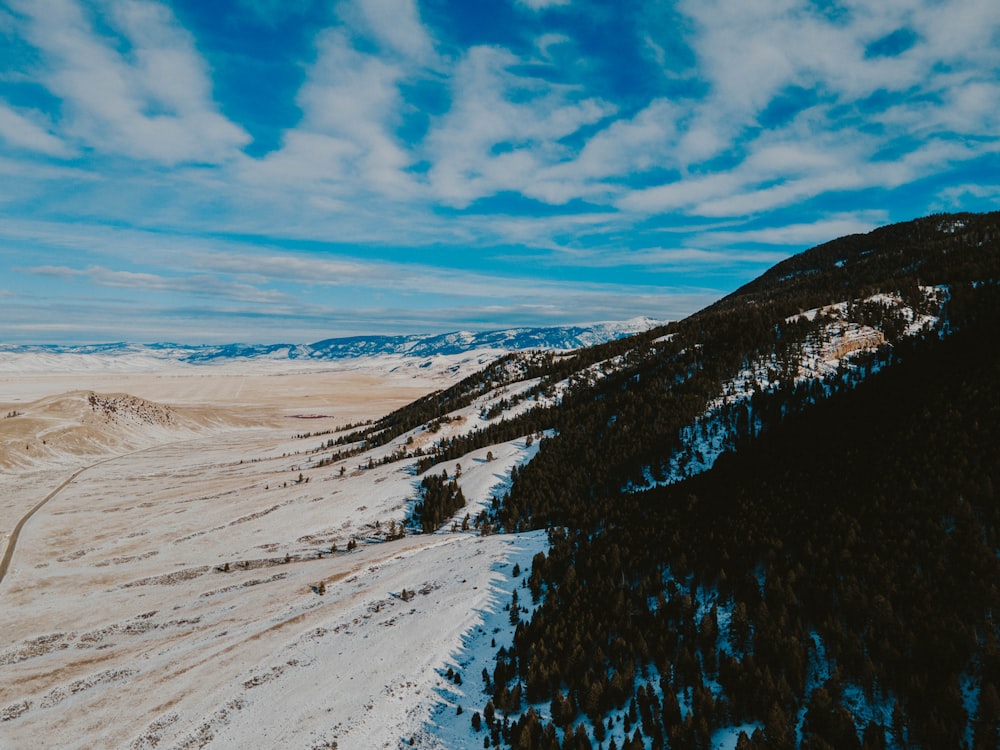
(829, 582)
(836, 577)
(772, 523)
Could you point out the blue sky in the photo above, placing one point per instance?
(290, 170)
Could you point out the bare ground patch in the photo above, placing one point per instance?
(169, 579)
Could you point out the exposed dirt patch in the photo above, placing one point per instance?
(169, 579)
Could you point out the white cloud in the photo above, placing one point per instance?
(687, 258)
(356, 96)
(537, 5)
(236, 283)
(28, 177)
(400, 278)
(242, 271)
(625, 147)
(358, 169)
(954, 195)
(502, 129)
(681, 194)
(397, 25)
(750, 54)
(546, 42)
(754, 200)
(153, 102)
(202, 285)
(939, 96)
(778, 168)
(961, 103)
(959, 30)
(809, 234)
(344, 144)
(28, 131)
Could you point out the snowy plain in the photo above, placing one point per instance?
(168, 596)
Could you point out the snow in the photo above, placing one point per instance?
(726, 739)
(168, 596)
(950, 227)
(165, 597)
(831, 351)
(481, 479)
(352, 351)
(445, 727)
(970, 700)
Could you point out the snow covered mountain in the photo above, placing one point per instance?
(137, 356)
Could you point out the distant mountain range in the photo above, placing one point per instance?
(562, 338)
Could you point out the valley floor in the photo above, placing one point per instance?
(168, 595)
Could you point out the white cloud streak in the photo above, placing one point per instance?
(502, 130)
(350, 104)
(152, 102)
(537, 5)
(203, 285)
(28, 131)
(812, 233)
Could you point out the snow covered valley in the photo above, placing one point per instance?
(193, 585)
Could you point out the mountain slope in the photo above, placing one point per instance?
(852, 550)
(616, 429)
(627, 411)
(815, 585)
(821, 585)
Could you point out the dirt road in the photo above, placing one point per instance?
(12, 541)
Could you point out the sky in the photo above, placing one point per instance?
(291, 170)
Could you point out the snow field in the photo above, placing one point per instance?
(169, 597)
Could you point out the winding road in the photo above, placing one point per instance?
(12, 541)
